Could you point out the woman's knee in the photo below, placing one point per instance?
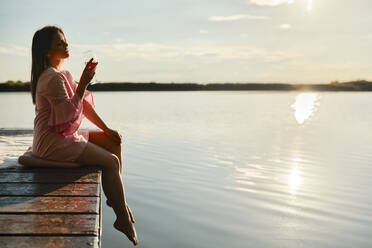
(96, 155)
(114, 162)
(117, 149)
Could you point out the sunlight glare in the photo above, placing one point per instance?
(294, 180)
(304, 106)
(309, 5)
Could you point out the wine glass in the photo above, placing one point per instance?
(88, 55)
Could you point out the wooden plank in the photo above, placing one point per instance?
(47, 176)
(50, 207)
(51, 224)
(40, 204)
(72, 189)
(48, 242)
(83, 169)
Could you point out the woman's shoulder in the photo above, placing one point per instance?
(48, 74)
(50, 77)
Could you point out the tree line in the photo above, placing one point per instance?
(359, 85)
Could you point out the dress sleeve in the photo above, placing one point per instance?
(66, 106)
(88, 96)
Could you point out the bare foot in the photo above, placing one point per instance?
(128, 209)
(126, 226)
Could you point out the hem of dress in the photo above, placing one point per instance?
(85, 134)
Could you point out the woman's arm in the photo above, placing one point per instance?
(85, 78)
(91, 115)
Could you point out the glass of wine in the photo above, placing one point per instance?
(89, 54)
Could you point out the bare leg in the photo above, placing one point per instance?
(112, 186)
(101, 139)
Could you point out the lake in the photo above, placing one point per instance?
(232, 169)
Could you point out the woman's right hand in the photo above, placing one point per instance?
(88, 73)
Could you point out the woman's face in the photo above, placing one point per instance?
(58, 47)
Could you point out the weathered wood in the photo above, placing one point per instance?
(50, 224)
(40, 204)
(50, 207)
(72, 189)
(48, 242)
(48, 176)
(83, 169)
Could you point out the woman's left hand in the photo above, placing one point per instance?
(114, 135)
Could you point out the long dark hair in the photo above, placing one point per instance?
(40, 46)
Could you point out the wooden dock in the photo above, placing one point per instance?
(50, 207)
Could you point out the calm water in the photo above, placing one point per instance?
(233, 169)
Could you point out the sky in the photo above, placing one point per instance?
(200, 41)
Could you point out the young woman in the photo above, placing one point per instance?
(60, 105)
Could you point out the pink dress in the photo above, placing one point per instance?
(59, 112)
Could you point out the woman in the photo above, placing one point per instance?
(60, 105)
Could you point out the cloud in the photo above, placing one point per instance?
(14, 50)
(236, 18)
(160, 52)
(120, 51)
(202, 31)
(271, 2)
(285, 26)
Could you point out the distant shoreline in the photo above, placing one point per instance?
(362, 85)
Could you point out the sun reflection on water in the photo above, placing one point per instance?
(294, 180)
(309, 5)
(304, 106)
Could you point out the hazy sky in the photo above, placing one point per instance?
(310, 41)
